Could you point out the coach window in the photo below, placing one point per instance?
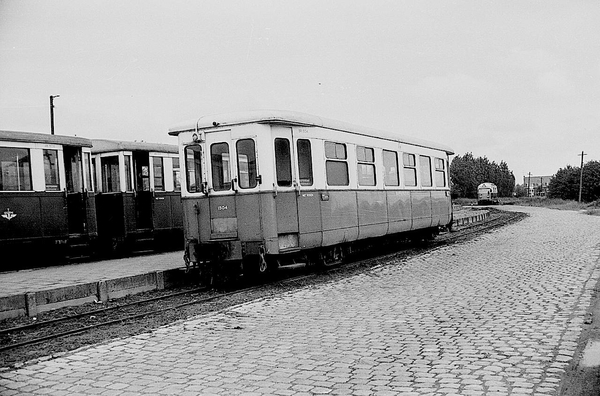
(51, 170)
(425, 171)
(110, 174)
(193, 174)
(159, 177)
(366, 166)
(336, 165)
(128, 179)
(440, 172)
(410, 170)
(283, 162)
(221, 175)
(305, 162)
(390, 165)
(16, 169)
(87, 171)
(176, 175)
(246, 163)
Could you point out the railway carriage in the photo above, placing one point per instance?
(47, 208)
(282, 189)
(487, 193)
(138, 201)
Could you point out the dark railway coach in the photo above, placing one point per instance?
(47, 209)
(138, 201)
(273, 189)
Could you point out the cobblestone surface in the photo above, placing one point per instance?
(498, 315)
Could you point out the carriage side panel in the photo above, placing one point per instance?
(309, 219)
(399, 211)
(339, 211)
(372, 214)
(421, 209)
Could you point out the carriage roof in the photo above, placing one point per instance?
(109, 146)
(33, 137)
(299, 119)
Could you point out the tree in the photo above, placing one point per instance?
(520, 190)
(565, 184)
(467, 172)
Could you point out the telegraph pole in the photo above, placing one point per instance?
(581, 175)
(528, 184)
(52, 113)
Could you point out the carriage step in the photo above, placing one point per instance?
(292, 266)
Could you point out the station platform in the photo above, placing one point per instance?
(33, 291)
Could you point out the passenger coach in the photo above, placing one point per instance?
(138, 200)
(274, 188)
(47, 208)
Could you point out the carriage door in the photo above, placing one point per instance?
(286, 199)
(222, 200)
(76, 209)
(143, 194)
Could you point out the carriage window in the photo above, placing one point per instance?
(283, 162)
(336, 166)
(246, 163)
(176, 175)
(159, 177)
(73, 170)
(410, 169)
(425, 171)
(128, 180)
(221, 175)
(87, 171)
(16, 169)
(51, 170)
(110, 174)
(366, 166)
(440, 172)
(94, 176)
(305, 162)
(193, 168)
(390, 165)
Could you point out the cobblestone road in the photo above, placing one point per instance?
(498, 315)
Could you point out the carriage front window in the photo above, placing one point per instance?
(16, 169)
(193, 172)
(336, 166)
(366, 166)
(440, 172)
(221, 176)
(283, 162)
(410, 170)
(425, 171)
(305, 162)
(246, 163)
(51, 170)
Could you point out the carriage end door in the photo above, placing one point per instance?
(286, 187)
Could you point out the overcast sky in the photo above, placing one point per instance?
(515, 81)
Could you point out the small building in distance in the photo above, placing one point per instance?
(537, 186)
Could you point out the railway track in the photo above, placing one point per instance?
(59, 334)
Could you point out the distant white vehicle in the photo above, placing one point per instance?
(487, 193)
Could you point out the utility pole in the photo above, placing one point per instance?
(52, 113)
(581, 175)
(528, 184)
